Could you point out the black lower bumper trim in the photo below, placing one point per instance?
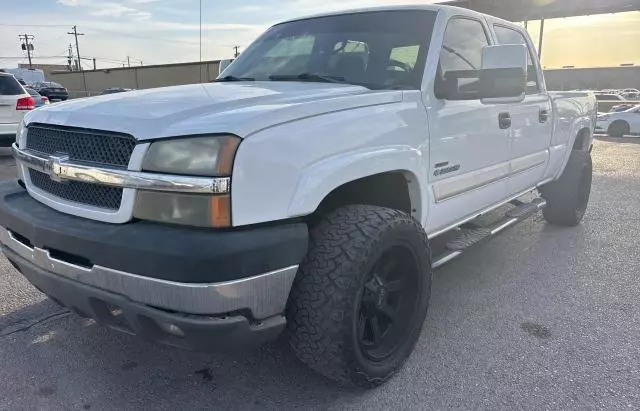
(174, 253)
(199, 333)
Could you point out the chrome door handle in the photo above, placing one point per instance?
(543, 116)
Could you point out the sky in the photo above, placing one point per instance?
(167, 31)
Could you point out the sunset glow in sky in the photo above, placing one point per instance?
(167, 31)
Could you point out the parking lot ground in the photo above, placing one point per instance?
(540, 317)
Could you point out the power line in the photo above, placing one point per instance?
(35, 57)
(33, 25)
(128, 35)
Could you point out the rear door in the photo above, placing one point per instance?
(10, 92)
(530, 133)
(469, 147)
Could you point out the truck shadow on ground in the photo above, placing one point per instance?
(43, 335)
(65, 360)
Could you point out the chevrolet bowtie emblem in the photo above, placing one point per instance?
(54, 167)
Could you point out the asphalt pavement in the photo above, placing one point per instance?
(538, 318)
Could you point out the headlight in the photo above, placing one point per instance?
(202, 156)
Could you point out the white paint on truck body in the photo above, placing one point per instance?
(302, 140)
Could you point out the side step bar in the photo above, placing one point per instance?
(471, 236)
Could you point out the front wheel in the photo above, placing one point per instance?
(360, 298)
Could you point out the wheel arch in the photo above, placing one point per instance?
(388, 178)
(583, 139)
(396, 189)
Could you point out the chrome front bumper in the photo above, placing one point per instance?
(60, 168)
(265, 295)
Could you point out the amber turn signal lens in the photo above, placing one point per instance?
(221, 211)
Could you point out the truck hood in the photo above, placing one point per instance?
(237, 108)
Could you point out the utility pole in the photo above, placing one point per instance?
(235, 51)
(76, 34)
(26, 46)
(70, 58)
(84, 78)
(128, 62)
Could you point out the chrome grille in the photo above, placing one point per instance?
(78, 192)
(91, 146)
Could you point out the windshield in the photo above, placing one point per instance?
(374, 49)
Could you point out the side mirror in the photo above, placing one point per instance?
(503, 78)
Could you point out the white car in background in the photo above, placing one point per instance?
(14, 103)
(621, 123)
(609, 97)
(631, 95)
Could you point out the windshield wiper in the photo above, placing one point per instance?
(307, 77)
(232, 78)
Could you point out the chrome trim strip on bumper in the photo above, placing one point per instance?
(265, 295)
(60, 168)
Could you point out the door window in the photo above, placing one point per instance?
(461, 58)
(510, 36)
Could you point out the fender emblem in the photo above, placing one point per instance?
(446, 170)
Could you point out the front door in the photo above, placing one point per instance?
(469, 144)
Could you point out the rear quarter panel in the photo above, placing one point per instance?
(573, 111)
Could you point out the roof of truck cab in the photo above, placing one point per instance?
(440, 8)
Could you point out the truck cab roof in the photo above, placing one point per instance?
(439, 8)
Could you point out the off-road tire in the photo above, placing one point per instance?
(322, 307)
(618, 128)
(568, 197)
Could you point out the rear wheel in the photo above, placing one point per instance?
(568, 197)
(361, 296)
(619, 128)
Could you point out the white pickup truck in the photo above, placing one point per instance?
(302, 190)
